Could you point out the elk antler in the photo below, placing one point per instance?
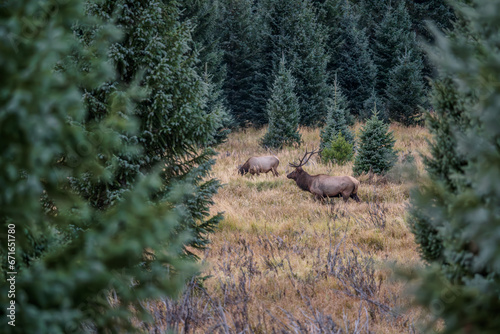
(305, 158)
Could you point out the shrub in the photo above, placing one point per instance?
(338, 151)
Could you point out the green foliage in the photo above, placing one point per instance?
(338, 150)
(294, 32)
(376, 148)
(205, 18)
(336, 120)
(393, 38)
(374, 100)
(75, 249)
(462, 198)
(405, 91)
(242, 41)
(283, 111)
(177, 119)
(351, 57)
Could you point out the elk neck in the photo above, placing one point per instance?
(304, 180)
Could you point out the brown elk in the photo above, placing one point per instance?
(323, 186)
(257, 165)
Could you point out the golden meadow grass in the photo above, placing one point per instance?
(282, 261)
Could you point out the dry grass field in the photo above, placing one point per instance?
(283, 262)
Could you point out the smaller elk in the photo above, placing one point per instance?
(257, 165)
(323, 186)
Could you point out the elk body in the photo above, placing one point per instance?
(324, 186)
(257, 165)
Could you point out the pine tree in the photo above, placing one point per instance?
(375, 100)
(242, 42)
(336, 120)
(405, 92)
(205, 17)
(294, 31)
(444, 166)
(393, 37)
(372, 13)
(175, 125)
(439, 12)
(461, 201)
(376, 147)
(71, 256)
(351, 58)
(283, 111)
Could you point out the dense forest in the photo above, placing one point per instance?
(111, 113)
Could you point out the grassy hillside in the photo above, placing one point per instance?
(283, 261)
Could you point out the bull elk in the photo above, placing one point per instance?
(257, 165)
(323, 186)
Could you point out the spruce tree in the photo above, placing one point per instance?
(393, 37)
(205, 18)
(175, 125)
(376, 147)
(293, 30)
(460, 203)
(372, 14)
(283, 111)
(405, 93)
(336, 120)
(375, 100)
(242, 41)
(351, 58)
(73, 258)
(445, 165)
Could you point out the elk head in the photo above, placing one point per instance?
(298, 166)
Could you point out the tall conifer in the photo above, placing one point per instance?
(293, 30)
(174, 124)
(74, 254)
(246, 83)
(336, 120)
(283, 111)
(460, 203)
(352, 60)
(404, 95)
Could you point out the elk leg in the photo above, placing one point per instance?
(345, 197)
(275, 172)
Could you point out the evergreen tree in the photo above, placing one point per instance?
(69, 254)
(242, 42)
(336, 120)
(461, 201)
(174, 123)
(405, 92)
(445, 164)
(439, 12)
(375, 100)
(205, 17)
(338, 150)
(283, 111)
(393, 37)
(294, 31)
(352, 60)
(372, 13)
(376, 147)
